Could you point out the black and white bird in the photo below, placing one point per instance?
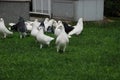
(67, 27)
(42, 24)
(49, 25)
(3, 28)
(20, 27)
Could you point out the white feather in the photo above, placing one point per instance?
(62, 39)
(34, 30)
(48, 23)
(42, 38)
(29, 25)
(78, 28)
(57, 30)
(11, 24)
(3, 28)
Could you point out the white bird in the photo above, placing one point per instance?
(11, 24)
(55, 24)
(34, 30)
(42, 38)
(78, 28)
(29, 25)
(48, 23)
(3, 28)
(62, 39)
(46, 20)
(57, 30)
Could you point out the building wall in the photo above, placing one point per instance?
(63, 9)
(90, 10)
(15, 0)
(11, 10)
(37, 6)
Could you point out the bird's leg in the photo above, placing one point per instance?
(5, 35)
(20, 36)
(48, 44)
(41, 46)
(58, 48)
(25, 34)
(64, 48)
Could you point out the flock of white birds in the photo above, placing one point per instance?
(62, 31)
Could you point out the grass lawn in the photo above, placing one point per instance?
(93, 55)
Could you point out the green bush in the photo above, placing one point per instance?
(112, 8)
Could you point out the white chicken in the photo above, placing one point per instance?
(42, 38)
(3, 28)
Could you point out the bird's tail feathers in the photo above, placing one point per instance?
(8, 32)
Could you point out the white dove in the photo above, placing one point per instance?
(3, 28)
(62, 39)
(34, 30)
(42, 38)
(29, 25)
(57, 30)
(48, 23)
(78, 28)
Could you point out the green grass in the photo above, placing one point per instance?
(93, 55)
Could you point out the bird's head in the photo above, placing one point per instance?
(36, 20)
(40, 28)
(1, 20)
(55, 23)
(59, 22)
(21, 19)
(60, 26)
(46, 19)
(80, 19)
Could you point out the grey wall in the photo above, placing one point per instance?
(11, 11)
(15, 0)
(38, 5)
(63, 9)
(90, 10)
